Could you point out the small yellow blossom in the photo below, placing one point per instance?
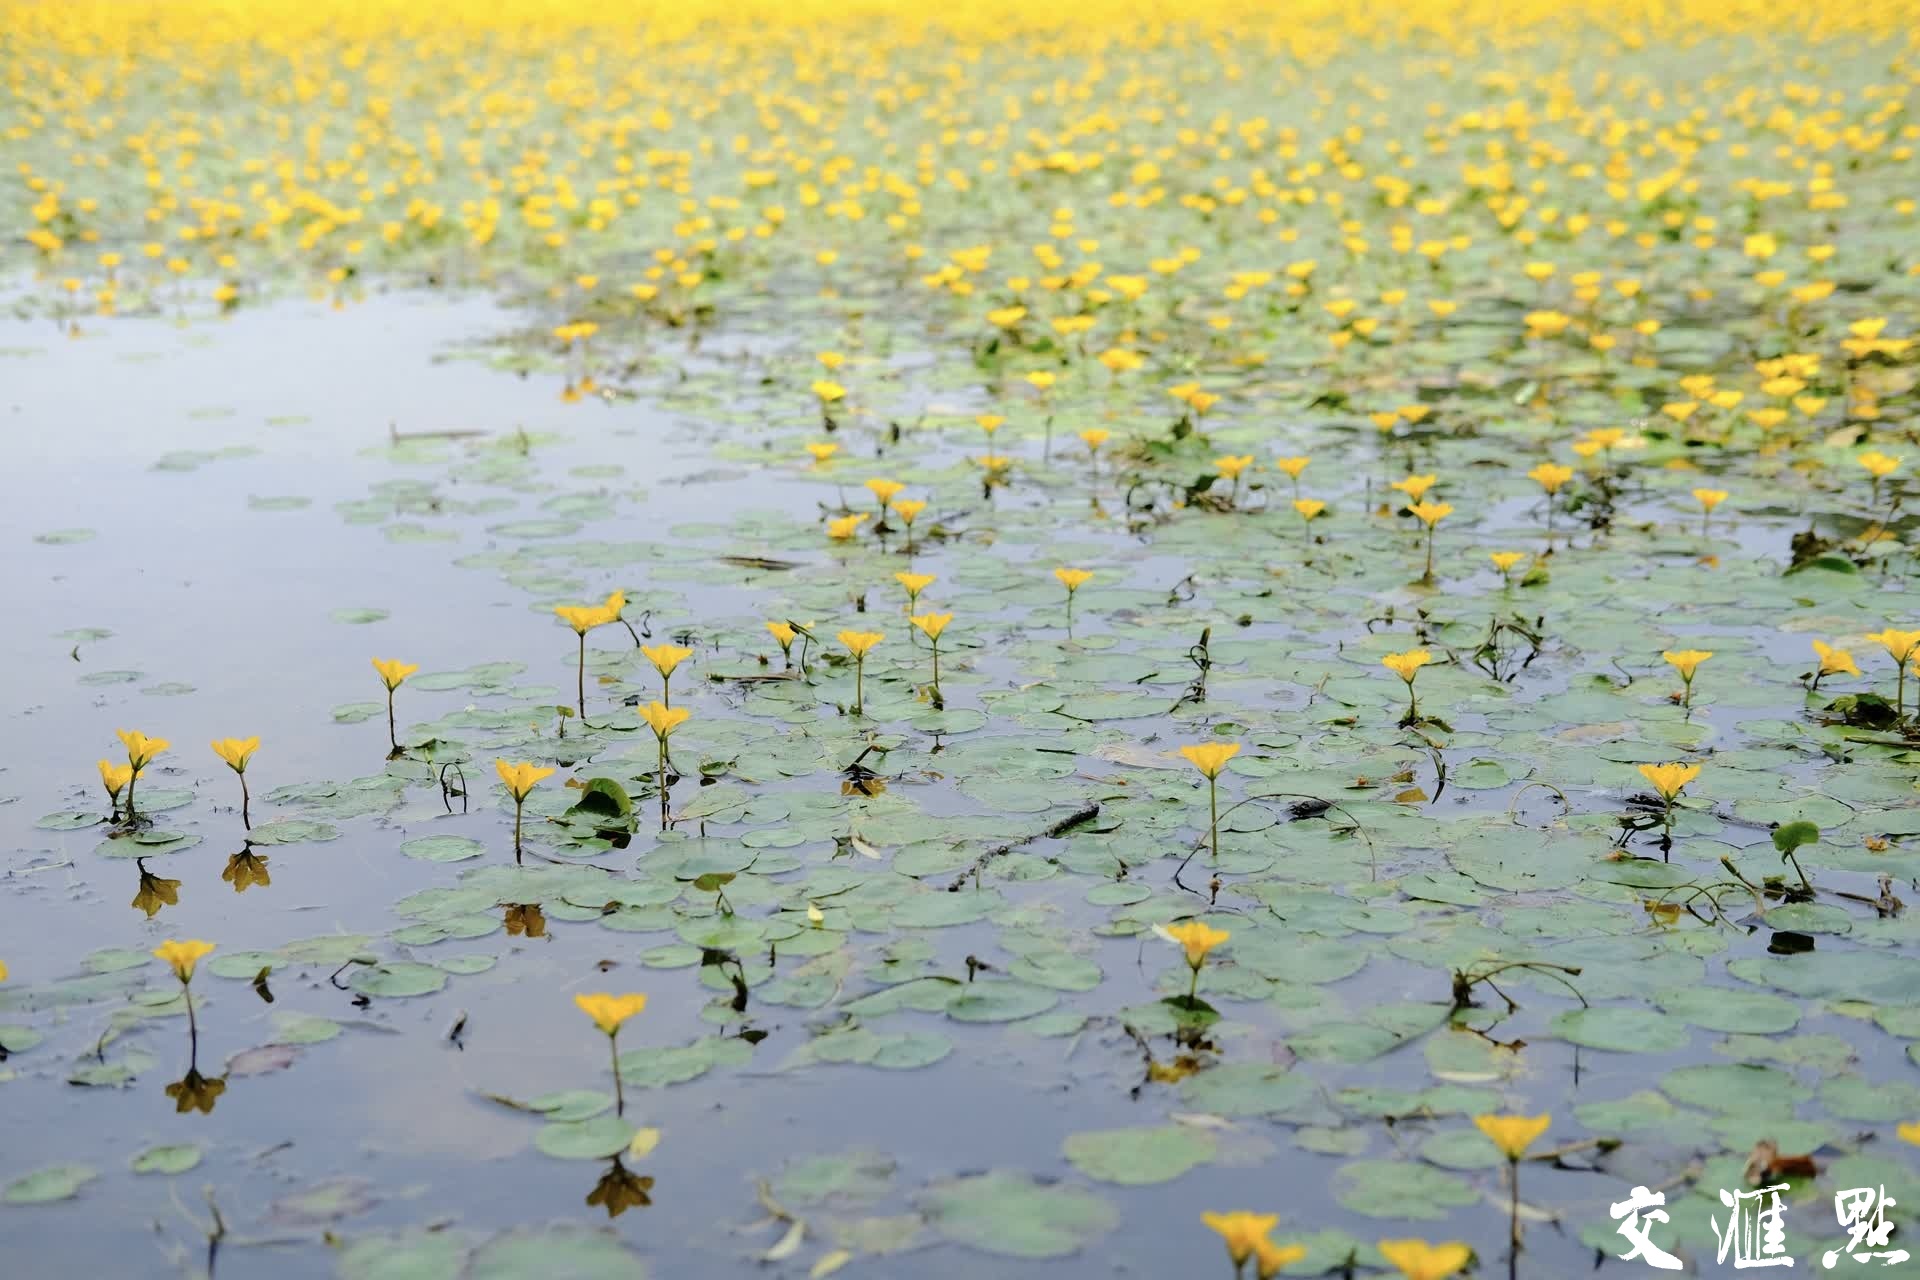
(181, 957)
(1210, 757)
(1512, 1134)
(609, 1011)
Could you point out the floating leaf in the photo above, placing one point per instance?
(1012, 1215)
(1138, 1157)
(44, 1186)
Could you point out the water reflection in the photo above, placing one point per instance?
(195, 1092)
(620, 1189)
(246, 869)
(525, 919)
(155, 891)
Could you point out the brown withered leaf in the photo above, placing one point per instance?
(1767, 1165)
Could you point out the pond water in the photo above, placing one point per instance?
(912, 1003)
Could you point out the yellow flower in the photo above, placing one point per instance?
(1416, 486)
(829, 391)
(884, 490)
(1006, 317)
(3, 971)
(393, 672)
(1073, 579)
(1687, 661)
(236, 752)
(1269, 1257)
(1907, 1132)
(782, 632)
(915, 583)
(1309, 508)
(140, 748)
(993, 463)
(1120, 360)
(1195, 937)
(1040, 380)
(1512, 1134)
(1878, 464)
(1241, 1230)
(1679, 410)
(1834, 661)
(830, 360)
(614, 605)
(1418, 1260)
(1210, 757)
(1406, 665)
(859, 642)
(181, 957)
(908, 508)
(1505, 560)
(609, 1011)
(844, 527)
(1201, 401)
(1667, 779)
(583, 617)
(1431, 513)
(115, 778)
(1231, 466)
(1548, 475)
(520, 778)
(1709, 498)
(1292, 466)
(1094, 437)
(665, 657)
(989, 422)
(821, 451)
(1898, 644)
(663, 719)
(931, 624)
(1385, 419)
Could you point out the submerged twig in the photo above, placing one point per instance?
(1085, 814)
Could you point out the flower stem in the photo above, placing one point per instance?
(393, 737)
(1429, 574)
(581, 685)
(518, 807)
(193, 1028)
(662, 779)
(619, 1090)
(246, 803)
(1513, 1219)
(1513, 1222)
(1213, 809)
(1193, 985)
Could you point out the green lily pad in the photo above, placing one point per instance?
(1400, 1189)
(44, 1186)
(592, 1139)
(1621, 1030)
(1012, 1215)
(178, 1158)
(1138, 1157)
